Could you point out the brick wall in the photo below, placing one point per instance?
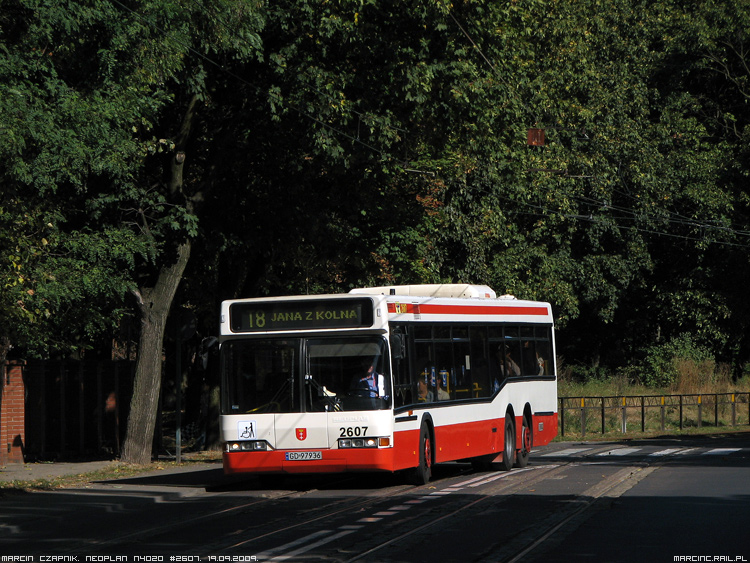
(12, 414)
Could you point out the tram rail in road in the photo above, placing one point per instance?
(462, 515)
(627, 466)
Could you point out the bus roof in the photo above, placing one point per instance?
(456, 303)
(433, 290)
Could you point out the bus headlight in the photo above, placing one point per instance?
(358, 443)
(248, 446)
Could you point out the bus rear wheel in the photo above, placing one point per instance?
(509, 446)
(527, 442)
(422, 474)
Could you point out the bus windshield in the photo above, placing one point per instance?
(291, 375)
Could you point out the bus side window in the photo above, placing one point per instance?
(440, 385)
(528, 353)
(402, 392)
(402, 386)
(422, 370)
(512, 360)
(529, 365)
(496, 350)
(460, 371)
(544, 351)
(480, 385)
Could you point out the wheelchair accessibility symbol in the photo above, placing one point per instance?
(247, 430)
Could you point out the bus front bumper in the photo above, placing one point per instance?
(332, 461)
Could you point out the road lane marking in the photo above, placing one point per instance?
(313, 545)
(721, 451)
(661, 453)
(620, 451)
(567, 452)
(295, 543)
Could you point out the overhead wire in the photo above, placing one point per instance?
(656, 215)
(633, 214)
(543, 211)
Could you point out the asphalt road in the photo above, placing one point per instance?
(651, 500)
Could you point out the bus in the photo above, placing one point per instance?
(395, 378)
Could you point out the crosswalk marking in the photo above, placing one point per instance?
(721, 451)
(661, 453)
(569, 451)
(620, 451)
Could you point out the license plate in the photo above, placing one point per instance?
(303, 456)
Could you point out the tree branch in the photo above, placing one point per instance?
(178, 162)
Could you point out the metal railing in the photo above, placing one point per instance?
(652, 412)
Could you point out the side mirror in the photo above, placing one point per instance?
(207, 344)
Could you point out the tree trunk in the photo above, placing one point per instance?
(154, 309)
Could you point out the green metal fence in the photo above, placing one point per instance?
(644, 413)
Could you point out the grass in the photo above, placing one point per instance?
(711, 413)
(619, 385)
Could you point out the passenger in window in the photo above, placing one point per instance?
(510, 367)
(533, 364)
(424, 394)
(370, 383)
(542, 352)
(540, 364)
(442, 385)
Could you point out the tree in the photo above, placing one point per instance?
(198, 152)
(59, 274)
(710, 45)
(98, 104)
(397, 153)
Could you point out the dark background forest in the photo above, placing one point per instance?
(158, 156)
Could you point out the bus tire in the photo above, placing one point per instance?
(423, 472)
(527, 442)
(509, 443)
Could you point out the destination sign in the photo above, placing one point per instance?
(301, 315)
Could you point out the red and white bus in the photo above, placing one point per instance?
(386, 379)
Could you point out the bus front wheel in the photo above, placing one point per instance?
(423, 472)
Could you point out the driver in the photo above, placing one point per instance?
(369, 383)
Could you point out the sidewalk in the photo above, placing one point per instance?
(200, 473)
(33, 471)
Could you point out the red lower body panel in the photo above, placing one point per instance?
(462, 441)
(334, 461)
(543, 435)
(451, 442)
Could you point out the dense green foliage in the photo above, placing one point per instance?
(661, 365)
(300, 146)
